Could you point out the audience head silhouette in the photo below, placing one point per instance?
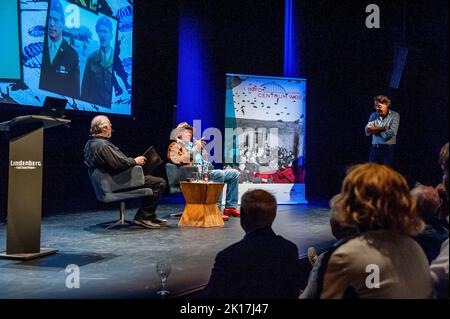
(374, 197)
(258, 210)
(427, 201)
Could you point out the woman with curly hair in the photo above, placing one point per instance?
(381, 260)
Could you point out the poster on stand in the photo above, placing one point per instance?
(265, 134)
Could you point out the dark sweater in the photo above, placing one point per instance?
(99, 152)
(262, 265)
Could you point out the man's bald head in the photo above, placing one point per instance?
(101, 125)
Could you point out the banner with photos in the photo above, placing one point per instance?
(265, 134)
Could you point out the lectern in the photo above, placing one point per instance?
(23, 234)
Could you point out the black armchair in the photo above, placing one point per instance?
(118, 188)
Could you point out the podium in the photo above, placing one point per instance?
(23, 233)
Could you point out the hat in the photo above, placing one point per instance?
(180, 128)
(186, 126)
(55, 5)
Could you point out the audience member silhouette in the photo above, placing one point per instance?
(262, 265)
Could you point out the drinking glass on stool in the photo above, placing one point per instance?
(195, 177)
(198, 172)
(206, 176)
(206, 173)
(163, 269)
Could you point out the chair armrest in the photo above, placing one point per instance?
(129, 179)
(176, 174)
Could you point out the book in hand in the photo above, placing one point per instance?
(153, 160)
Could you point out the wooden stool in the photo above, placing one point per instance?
(201, 204)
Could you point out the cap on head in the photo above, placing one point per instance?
(57, 7)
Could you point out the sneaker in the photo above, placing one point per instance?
(232, 212)
(146, 223)
(312, 255)
(159, 221)
(225, 218)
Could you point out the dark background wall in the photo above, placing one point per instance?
(345, 63)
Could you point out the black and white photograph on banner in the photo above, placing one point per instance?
(265, 133)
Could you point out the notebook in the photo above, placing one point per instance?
(153, 160)
(54, 107)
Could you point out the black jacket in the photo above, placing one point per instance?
(431, 238)
(262, 265)
(101, 153)
(63, 75)
(97, 81)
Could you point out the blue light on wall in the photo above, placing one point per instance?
(195, 89)
(291, 41)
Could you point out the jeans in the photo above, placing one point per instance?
(231, 178)
(382, 154)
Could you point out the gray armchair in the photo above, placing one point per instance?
(176, 174)
(118, 188)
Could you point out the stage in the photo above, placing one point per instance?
(120, 263)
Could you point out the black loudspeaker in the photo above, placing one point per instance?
(400, 58)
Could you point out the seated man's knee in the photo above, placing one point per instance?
(162, 183)
(218, 175)
(232, 174)
(235, 173)
(155, 183)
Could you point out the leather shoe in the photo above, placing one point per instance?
(146, 223)
(225, 218)
(159, 221)
(232, 212)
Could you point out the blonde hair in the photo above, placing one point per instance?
(374, 197)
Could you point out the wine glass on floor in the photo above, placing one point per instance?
(163, 268)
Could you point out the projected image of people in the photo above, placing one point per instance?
(60, 70)
(89, 4)
(50, 44)
(97, 79)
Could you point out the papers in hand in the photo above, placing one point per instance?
(153, 160)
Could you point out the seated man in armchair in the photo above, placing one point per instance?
(182, 151)
(100, 153)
